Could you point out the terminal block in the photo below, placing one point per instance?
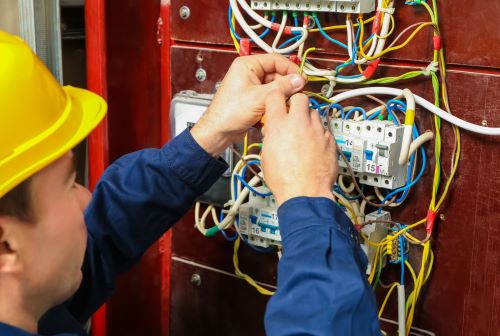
(329, 6)
(375, 233)
(372, 148)
(258, 219)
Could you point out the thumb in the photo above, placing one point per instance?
(287, 85)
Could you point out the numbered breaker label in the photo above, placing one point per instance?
(372, 149)
(375, 233)
(332, 6)
(258, 220)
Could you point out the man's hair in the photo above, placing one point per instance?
(17, 202)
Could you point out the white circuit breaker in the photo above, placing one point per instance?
(375, 233)
(331, 6)
(372, 148)
(258, 219)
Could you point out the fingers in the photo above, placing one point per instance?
(288, 85)
(269, 63)
(275, 107)
(299, 107)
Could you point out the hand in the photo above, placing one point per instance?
(239, 101)
(299, 157)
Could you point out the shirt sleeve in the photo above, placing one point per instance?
(322, 286)
(138, 198)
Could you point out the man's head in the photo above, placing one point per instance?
(42, 231)
(43, 235)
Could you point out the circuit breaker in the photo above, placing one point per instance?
(258, 219)
(375, 233)
(372, 148)
(330, 6)
(186, 109)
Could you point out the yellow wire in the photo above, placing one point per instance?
(315, 30)
(412, 271)
(393, 26)
(247, 278)
(304, 57)
(245, 145)
(255, 145)
(397, 234)
(385, 51)
(382, 307)
(235, 41)
(317, 95)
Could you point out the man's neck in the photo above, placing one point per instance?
(14, 312)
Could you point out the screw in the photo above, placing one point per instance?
(484, 123)
(201, 75)
(441, 217)
(196, 279)
(184, 12)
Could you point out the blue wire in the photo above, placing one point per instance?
(349, 77)
(242, 180)
(255, 248)
(229, 15)
(373, 116)
(231, 239)
(412, 183)
(296, 21)
(287, 42)
(328, 37)
(359, 109)
(340, 108)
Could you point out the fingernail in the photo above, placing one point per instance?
(297, 81)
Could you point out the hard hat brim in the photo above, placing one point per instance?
(87, 109)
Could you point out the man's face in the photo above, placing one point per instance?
(55, 243)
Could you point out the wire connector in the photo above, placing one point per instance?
(431, 218)
(245, 47)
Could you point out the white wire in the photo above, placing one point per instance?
(423, 138)
(422, 102)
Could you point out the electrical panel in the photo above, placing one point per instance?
(375, 233)
(258, 219)
(330, 6)
(372, 148)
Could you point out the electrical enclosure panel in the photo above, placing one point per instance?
(186, 109)
(375, 233)
(372, 148)
(331, 6)
(258, 219)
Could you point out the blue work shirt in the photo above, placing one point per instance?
(322, 288)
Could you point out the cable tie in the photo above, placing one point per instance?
(433, 67)
(388, 10)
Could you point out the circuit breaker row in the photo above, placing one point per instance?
(258, 222)
(330, 6)
(372, 148)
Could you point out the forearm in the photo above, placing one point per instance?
(138, 198)
(322, 288)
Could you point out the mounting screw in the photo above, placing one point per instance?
(484, 123)
(441, 217)
(201, 75)
(184, 12)
(196, 279)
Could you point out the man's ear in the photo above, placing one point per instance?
(9, 253)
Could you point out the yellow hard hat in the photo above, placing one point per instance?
(39, 119)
